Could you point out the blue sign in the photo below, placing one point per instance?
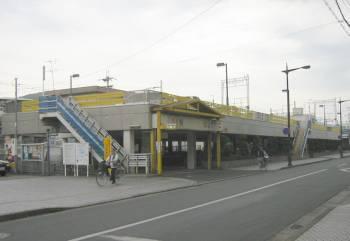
(285, 131)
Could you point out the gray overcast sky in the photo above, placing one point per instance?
(253, 37)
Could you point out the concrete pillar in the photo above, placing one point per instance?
(218, 150)
(129, 141)
(191, 150)
(159, 144)
(209, 150)
(153, 152)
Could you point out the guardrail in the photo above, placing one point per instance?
(140, 160)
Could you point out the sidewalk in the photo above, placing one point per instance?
(333, 227)
(28, 193)
(272, 166)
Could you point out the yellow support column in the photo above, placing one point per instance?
(159, 145)
(209, 151)
(153, 153)
(218, 150)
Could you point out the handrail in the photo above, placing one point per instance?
(101, 132)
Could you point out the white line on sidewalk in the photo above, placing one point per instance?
(193, 207)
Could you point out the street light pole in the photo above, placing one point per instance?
(71, 78)
(221, 65)
(227, 101)
(70, 86)
(16, 129)
(288, 117)
(286, 71)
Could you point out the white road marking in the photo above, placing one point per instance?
(345, 169)
(193, 207)
(342, 165)
(126, 238)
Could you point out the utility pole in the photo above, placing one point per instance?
(44, 80)
(52, 70)
(16, 128)
(341, 128)
(48, 153)
(107, 79)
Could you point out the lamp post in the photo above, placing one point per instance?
(71, 78)
(324, 114)
(221, 65)
(286, 71)
(341, 128)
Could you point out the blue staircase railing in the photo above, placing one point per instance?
(79, 120)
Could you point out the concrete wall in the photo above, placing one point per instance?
(252, 127)
(111, 118)
(233, 125)
(28, 123)
(327, 135)
(122, 117)
(125, 117)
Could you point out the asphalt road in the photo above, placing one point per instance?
(252, 208)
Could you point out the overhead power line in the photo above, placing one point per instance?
(267, 40)
(162, 39)
(336, 17)
(341, 12)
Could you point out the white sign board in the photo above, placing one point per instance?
(76, 154)
(82, 154)
(69, 154)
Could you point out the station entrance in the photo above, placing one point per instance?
(175, 150)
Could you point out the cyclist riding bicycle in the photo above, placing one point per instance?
(113, 160)
(263, 157)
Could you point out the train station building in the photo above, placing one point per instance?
(177, 132)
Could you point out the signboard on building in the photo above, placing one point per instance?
(107, 145)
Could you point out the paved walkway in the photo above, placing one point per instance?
(26, 193)
(333, 227)
(280, 165)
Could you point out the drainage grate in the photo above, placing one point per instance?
(296, 226)
(4, 235)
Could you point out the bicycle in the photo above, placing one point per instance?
(103, 174)
(263, 160)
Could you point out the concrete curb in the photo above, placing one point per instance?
(310, 163)
(30, 213)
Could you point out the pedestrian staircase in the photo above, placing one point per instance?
(84, 128)
(300, 139)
